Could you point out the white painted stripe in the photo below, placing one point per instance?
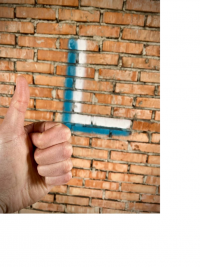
(77, 96)
(82, 44)
(79, 84)
(80, 71)
(81, 119)
(77, 107)
(110, 122)
(82, 58)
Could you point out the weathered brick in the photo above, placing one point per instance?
(6, 89)
(108, 204)
(153, 180)
(48, 198)
(153, 21)
(153, 50)
(143, 5)
(94, 30)
(113, 144)
(122, 196)
(130, 157)
(145, 147)
(94, 85)
(139, 188)
(141, 35)
(49, 105)
(16, 26)
(132, 113)
(89, 45)
(36, 13)
(40, 92)
(53, 56)
(5, 101)
(123, 18)
(59, 189)
(119, 75)
(154, 160)
(16, 53)
(146, 126)
(17, 1)
(109, 166)
(78, 209)
(150, 77)
(11, 77)
(123, 177)
(90, 153)
(75, 182)
(85, 192)
(155, 138)
(135, 89)
(48, 206)
(79, 15)
(95, 109)
(89, 174)
(111, 211)
(114, 99)
(31, 41)
(122, 47)
(144, 207)
(6, 12)
(116, 4)
(86, 97)
(81, 163)
(6, 65)
(7, 39)
(31, 211)
(147, 102)
(39, 115)
(34, 67)
(101, 59)
(72, 200)
(141, 63)
(101, 185)
(80, 71)
(56, 28)
(150, 198)
(157, 116)
(145, 170)
(59, 2)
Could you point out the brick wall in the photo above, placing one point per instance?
(114, 68)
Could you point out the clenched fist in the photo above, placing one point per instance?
(33, 158)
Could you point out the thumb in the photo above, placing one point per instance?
(19, 103)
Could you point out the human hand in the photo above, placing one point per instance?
(33, 158)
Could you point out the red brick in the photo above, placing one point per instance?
(5, 101)
(123, 18)
(90, 153)
(95, 109)
(139, 188)
(85, 72)
(3, 111)
(113, 144)
(72, 200)
(6, 65)
(52, 55)
(31, 41)
(122, 177)
(11, 77)
(6, 12)
(59, 189)
(39, 115)
(154, 160)
(155, 138)
(86, 97)
(136, 89)
(96, 86)
(16, 53)
(108, 204)
(50, 80)
(110, 211)
(8, 39)
(158, 92)
(94, 30)
(116, 4)
(56, 28)
(34, 67)
(153, 50)
(17, 1)
(144, 207)
(75, 182)
(109, 166)
(122, 156)
(85, 192)
(119, 75)
(132, 113)
(101, 185)
(141, 63)
(143, 5)
(81, 141)
(138, 137)
(79, 15)
(157, 116)
(31, 211)
(146, 126)
(77, 209)
(90, 45)
(153, 21)
(122, 196)
(81, 163)
(16, 26)
(50, 207)
(50, 105)
(150, 77)
(114, 99)
(6, 89)
(150, 198)
(145, 147)
(101, 59)
(122, 47)
(153, 180)
(148, 102)
(48, 198)
(59, 2)
(40, 92)
(141, 35)
(145, 170)
(89, 174)
(36, 13)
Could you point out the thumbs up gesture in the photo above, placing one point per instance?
(33, 158)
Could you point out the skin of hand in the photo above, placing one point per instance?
(33, 158)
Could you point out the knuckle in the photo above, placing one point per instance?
(67, 150)
(68, 165)
(65, 132)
